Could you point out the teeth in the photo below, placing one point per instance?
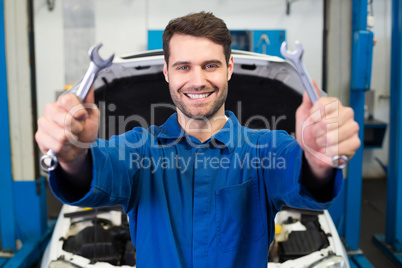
(198, 96)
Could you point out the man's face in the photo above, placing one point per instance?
(198, 76)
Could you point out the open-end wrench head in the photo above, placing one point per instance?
(293, 55)
(96, 58)
(284, 49)
(94, 48)
(299, 48)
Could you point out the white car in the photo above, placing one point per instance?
(264, 92)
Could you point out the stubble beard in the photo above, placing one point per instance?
(211, 112)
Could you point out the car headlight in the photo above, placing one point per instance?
(331, 261)
(62, 264)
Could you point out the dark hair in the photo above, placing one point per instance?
(202, 24)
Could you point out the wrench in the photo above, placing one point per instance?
(295, 57)
(49, 161)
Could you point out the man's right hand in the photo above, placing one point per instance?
(69, 127)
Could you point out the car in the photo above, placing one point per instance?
(85, 237)
(264, 92)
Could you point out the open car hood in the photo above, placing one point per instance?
(264, 92)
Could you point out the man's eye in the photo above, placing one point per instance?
(183, 68)
(210, 66)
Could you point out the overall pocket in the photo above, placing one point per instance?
(238, 215)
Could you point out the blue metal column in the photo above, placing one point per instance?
(7, 217)
(391, 245)
(362, 45)
(394, 184)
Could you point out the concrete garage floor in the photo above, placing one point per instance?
(373, 221)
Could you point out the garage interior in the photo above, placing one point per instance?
(352, 49)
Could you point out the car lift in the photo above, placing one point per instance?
(391, 243)
(350, 204)
(23, 215)
(7, 202)
(362, 51)
(346, 210)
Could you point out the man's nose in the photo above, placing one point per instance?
(198, 78)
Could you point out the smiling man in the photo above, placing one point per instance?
(201, 190)
(198, 72)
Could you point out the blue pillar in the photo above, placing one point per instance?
(7, 217)
(391, 243)
(393, 234)
(362, 47)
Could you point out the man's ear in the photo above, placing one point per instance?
(165, 71)
(230, 67)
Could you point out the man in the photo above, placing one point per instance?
(215, 205)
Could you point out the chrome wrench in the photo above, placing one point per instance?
(295, 57)
(49, 161)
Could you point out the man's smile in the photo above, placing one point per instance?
(194, 96)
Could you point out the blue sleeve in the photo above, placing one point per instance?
(284, 180)
(114, 180)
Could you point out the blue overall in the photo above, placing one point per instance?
(193, 204)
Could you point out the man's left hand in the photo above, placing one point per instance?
(324, 130)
